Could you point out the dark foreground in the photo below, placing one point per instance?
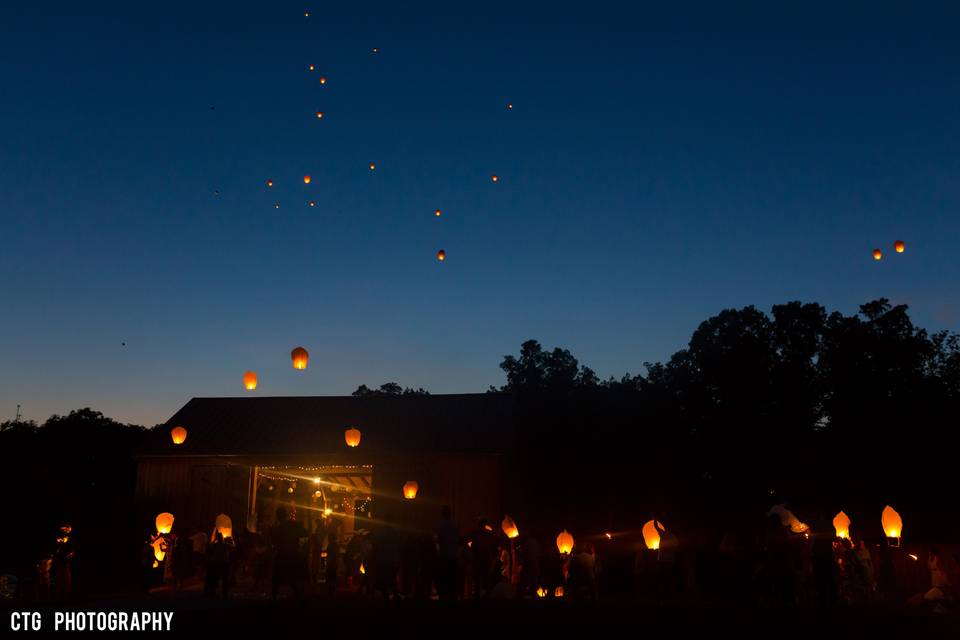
(360, 618)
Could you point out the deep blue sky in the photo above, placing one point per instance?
(655, 169)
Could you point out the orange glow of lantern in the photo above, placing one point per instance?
(651, 537)
(372, 166)
(250, 380)
(564, 542)
(509, 527)
(312, 203)
(841, 523)
(312, 67)
(300, 357)
(437, 213)
(509, 105)
(410, 489)
(164, 523)
(178, 435)
(319, 115)
(159, 549)
(441, 255)
(541, 592)
(899, 246)
(891, 521)
(877, 254)
(495, 178)
(269, 183)
(306, 179)
(609, 536)
(224, 525)
(352, 436)
(362, 569)
(323, 80)
(558, 592)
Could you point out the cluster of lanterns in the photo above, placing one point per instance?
(890, 520)
(899, 246)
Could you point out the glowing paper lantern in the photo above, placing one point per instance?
(312, 203)
(352, 436)
(558, 592)
(159, 552)
(269, 183)
(300, 358)
(877, 254)
(410, 489)
(509, 105)
(441, 255)
(565, 542)
(250, 380)
(899, 246)
(323, 80)
(312, 67)
(787, 518)
(164, 523)
(306, 179)
(841, 523)
(276, 205)
(541, 592)
(178, 435)
(319, 114)
(437, 213)
(362, 570)
(891, 521)
(372, 166)
(224, 525)
(495, 178)
(509, 527)
(651, 537)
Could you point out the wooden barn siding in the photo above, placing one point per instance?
(195, 491)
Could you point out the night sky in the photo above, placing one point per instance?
(655, 169)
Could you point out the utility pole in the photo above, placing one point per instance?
(17, 419)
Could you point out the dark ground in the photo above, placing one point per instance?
(358, 618)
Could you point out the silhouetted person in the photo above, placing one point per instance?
(285, 537)
(448, 546)
(385, 553)
(426, 566)
(333, 560)
(824, 571)
(182, 561)
(218, 567)
(483, 559)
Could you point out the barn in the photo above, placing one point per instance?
(246, 456)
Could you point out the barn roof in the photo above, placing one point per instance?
(310, 425)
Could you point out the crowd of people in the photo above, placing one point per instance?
(770, 566)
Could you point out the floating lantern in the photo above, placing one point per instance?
(564, 542)
(651, 537)
(787, 518)
(362, 570)
(290, 489)
(312, 67)
(892, 523)
(250, 380)
(509, 527)
(306, 14)
(410, 489)
(312, 203)
(306, 179)
(269, 183)
(441, 255)
(899, 246)
(224, 525)
(352, 436)
(276, 205)
(877, 254)
(164, 523)
(509, 105)
(372, 166)
(437, 213)
(178, 435)
(495, 178)
(558, 592)
(300, 358)
(541, 592)
(841, 523)
(319, 114)
(375, 50)
(323, 80)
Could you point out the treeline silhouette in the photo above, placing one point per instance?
(823, 411)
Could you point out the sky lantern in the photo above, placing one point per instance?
(509, 527)
(306, 14)
(841, 522)
(362, 569)
(178, 435)
(312, 203)
(651, 537)
(788, 519)
(375, 50)
(164, 523)
(224, 525)
(509, 105)
(372, 166)
(319, 114)
(276, 205)
(564, 542)
(899, 246)
(437, 213)
(877, 254)
(892, 523)
(441, 255)
(250, 380)
(410, 489)
(323, 80)
(300, 357)
(312, 67)
(269, 183)
(306, 179)
(494, 178)
(352, 436)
